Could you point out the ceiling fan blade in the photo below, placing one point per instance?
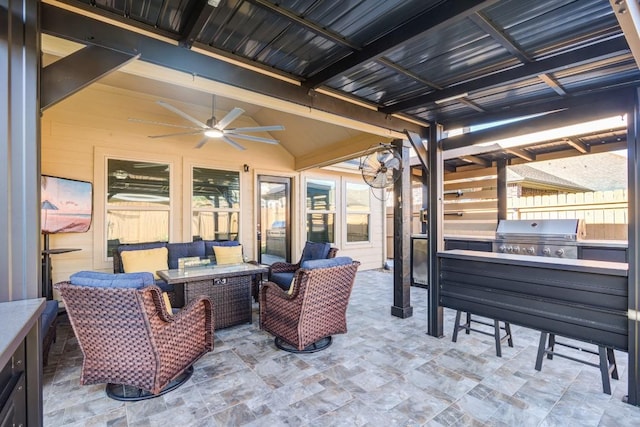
(193, 132)
(182, 114)
(231, 142)
(231, 116)
(202, 142)
(252, 138)
(151, 122)
(258, 129)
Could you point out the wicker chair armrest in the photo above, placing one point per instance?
(283, 267)
(272, 289)
(185, 323)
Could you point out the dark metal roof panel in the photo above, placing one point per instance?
(377, 83)
(360, 22)
(262, 35)
(544, 26)
(453, 54)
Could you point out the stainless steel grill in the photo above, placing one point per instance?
(557, 238)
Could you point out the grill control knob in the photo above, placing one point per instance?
(502, 248)
(531, 250)
(560, 252)
(546, 251)
(509, 249)
(516, 249)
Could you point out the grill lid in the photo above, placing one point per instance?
(566, 229)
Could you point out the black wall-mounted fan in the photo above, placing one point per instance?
(379, 165)
(214, 128)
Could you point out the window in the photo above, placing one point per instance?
(137, 202)
(321, 210)
(215, 204)
(358, 212)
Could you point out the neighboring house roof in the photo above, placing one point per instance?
(598, 172)
(531, 177)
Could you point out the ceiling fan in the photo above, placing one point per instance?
(213, 128)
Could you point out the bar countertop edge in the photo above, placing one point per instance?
(24, 314)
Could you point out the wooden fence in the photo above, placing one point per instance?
(604, 212)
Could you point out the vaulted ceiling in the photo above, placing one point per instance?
(386, 65)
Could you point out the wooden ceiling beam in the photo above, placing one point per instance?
(578, 145)
(522, 153)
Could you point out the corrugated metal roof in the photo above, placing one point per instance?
(499, 57)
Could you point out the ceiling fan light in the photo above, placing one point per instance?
(213, 133)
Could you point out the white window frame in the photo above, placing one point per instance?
(345, 239)
(103, 260)
(189, 183)
(334, 211)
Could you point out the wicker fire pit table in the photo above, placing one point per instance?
(228, 287)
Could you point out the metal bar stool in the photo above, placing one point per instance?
(496, 330)
(607, 362)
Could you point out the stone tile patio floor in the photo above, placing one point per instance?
(385, 371)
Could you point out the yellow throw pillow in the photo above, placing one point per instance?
(228, 254)
(145, 260)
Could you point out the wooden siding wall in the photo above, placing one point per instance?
(475, 210)
(80, 131)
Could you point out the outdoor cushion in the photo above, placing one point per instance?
(228, 254)
(282, 279)
(110, 280)
(149, 260)
(325, 263)
(48, 316)
(313, 250)
(210, 244)
(183, 250)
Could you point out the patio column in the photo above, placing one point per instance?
(436, 238)
(633, 151)
(502, 188)
(20, 262)
(402, 236)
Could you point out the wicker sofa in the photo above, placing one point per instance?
(175, 251)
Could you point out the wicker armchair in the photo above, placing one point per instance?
(131, 342)
(282, 273)
(305, 319)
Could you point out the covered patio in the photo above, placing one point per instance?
(412, 73)
(384, 371)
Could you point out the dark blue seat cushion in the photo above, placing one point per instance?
(325, 263)
(183, 250)
(209, 244)
(48, 316)
(313, 250)
(112, 280)
(282, 279)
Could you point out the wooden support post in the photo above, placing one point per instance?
(402, 236)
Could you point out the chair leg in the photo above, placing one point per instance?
(507, 329)
(541, 350)
(604, 369)
(468, 324)
(496, 335)
(455, 327)
(613, 366)
(552, 345)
